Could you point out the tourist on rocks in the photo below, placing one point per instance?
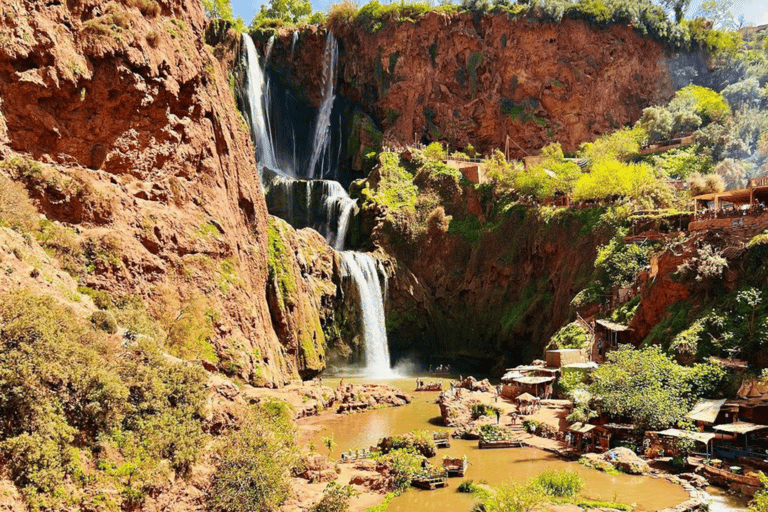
(498, 416)
(513, 417)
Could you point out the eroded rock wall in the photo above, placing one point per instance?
(120, 121)
(462, 79)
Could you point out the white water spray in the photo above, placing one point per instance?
(322, 139)
(257, 106)
(362, 268)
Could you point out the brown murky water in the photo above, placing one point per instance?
(362, 430)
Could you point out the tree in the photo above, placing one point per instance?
(253, 473)
(678, 6)
(649, 387)
(218, 9)
(718, 12)
(292, 11)
(657, 123)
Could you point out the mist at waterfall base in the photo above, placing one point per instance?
(290, 147)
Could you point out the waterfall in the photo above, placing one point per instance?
(338, 208)
(362, 268)
(322, 139)
(325, 205)
(258, 106)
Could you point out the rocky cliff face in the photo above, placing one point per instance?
(119, 120)
(462, 79)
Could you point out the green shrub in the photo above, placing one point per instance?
(573, 335)
(404, 464)
(424, 443)
(252, 475)
(513, 497)
(435, 151)
(16, 209)
(105, 321)
(704, 102)
(335, 498)
(480, 410)
(559, 483)
(612, 179)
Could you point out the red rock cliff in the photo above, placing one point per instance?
(120, 121)
(462, 80)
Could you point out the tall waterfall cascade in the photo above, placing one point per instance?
(321, 204)
(257, 110)
(321, 150)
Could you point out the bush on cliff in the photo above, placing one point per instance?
(66, 391)
(573, 335)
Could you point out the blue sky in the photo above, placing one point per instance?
(755, 11)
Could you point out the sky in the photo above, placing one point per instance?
(755, 11)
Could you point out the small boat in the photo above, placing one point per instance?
(442, 439)
(432, 386)
(455, 466)
(429, 482)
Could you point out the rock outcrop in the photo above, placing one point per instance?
(463, 79)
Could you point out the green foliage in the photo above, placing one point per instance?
(680, 163)
(657, 122)
(188, 321)
(475, 59)
(223, 9)
(469, 227)
(618, 264)
(760, 501)
(62, 386)
(335, 498)
(649, 387)
(252, 475)
(395, 189)
(513, 497)
(612, 179)
(278, 261)
(500, 172)
(435, 152)
(480, 410)
(535, 182)
(573, 335)
(286, 11)
(621, 145)
(105, 321)
(559, 483)
(706, 103)
(404, 464)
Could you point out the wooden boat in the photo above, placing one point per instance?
(429, 483)
(484, 444)
(496, 437)
(725, 477)
(455, 466)
(432, 386)
(442, 439)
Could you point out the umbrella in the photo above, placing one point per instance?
(526, 397)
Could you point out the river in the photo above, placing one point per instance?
(362, 430)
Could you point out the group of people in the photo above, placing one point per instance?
(440, 369)
(527, 408)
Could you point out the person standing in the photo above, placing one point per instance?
(498, 416)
